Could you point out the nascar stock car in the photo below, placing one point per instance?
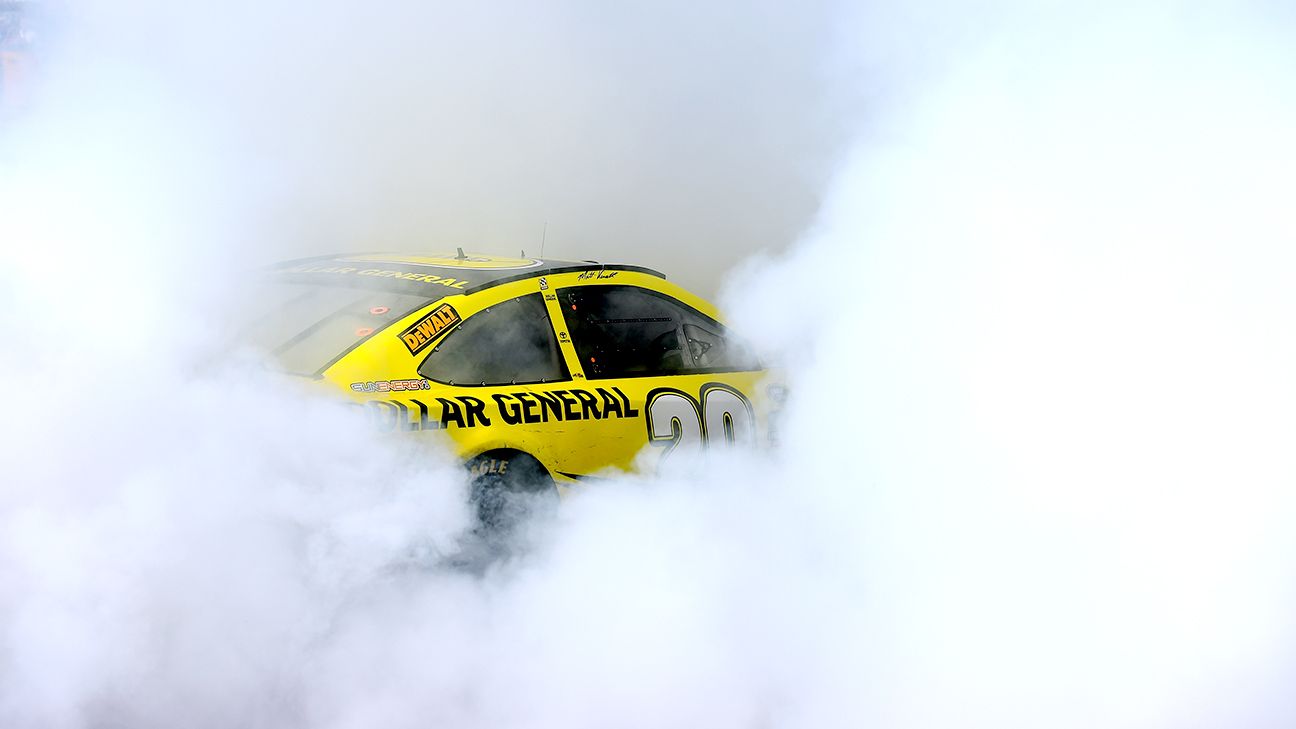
(541, 373)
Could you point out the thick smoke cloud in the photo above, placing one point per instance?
(635, 134)
(1055, 382)
(1035, 465)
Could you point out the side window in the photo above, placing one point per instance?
(509, 343)
(625, 331)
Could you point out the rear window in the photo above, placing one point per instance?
(309, 327)
(510, 343)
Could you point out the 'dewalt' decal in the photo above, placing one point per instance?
(424, 331)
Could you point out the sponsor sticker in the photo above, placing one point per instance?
(424, 331)
(522, 407)
(391, 386)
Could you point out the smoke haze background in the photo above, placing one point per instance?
(1037, 464)
(632, 132)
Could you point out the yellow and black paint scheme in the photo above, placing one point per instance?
(577, 427)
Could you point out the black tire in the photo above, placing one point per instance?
(507, 488)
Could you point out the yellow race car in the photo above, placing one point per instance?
(541, 373)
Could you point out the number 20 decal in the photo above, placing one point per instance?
(676, 419)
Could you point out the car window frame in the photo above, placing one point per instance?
(567, 375)
(757, 366)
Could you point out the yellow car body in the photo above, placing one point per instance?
(605, 362)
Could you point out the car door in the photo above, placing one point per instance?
(492, 376)
(690, 382)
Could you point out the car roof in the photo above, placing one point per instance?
(435, 275)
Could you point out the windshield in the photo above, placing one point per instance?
(308, 327)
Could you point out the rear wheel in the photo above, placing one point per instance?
(506, 488)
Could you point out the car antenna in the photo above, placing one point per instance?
(461, 256)
(543, 234)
